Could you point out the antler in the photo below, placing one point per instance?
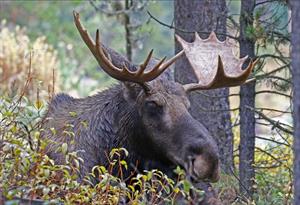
(139, 76)
(214, 64)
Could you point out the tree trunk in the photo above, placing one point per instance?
(296, 98)
(128, 34)
(247, 100)
(205, 16)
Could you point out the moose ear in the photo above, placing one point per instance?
(131, 91)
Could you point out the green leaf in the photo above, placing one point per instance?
(124, 163)
(64, 148)
(73, 114)
(186, 186)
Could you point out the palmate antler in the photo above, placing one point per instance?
(214, 64)
(139, 76)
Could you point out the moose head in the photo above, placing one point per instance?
(162, 127)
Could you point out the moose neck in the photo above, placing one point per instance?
(117, 121)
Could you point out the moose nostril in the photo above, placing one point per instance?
(200, 166)
(204, 168)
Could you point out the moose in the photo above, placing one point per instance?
(147, 112)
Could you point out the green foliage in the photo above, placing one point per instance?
(273, 172)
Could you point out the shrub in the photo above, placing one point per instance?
(20, 58)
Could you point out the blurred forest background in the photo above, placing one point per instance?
(44, 32)
(79, 71)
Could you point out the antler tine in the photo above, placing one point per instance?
(90, 43)
(144, 65)
(160, 67)
(155, 71)
(83, 33)
(126, 71)
(170, 61)
(96, 49)
(107, 65)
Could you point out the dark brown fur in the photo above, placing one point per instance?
(157, 130)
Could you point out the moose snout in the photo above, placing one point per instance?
(203, 163)
(205, 168)
(199, 151)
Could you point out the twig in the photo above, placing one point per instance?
(261, 77)
(271, 140)
(273, 92)
(264, 2)
(219, 96)
(276, 124)
(219, 110)
(186, 31)
(273, 157)
(123, 11)
(240, 182)
(279, 78)
(273, 110)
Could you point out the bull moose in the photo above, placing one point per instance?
(147, 113)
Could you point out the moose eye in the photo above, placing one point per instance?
(153, 108)
(151, 105)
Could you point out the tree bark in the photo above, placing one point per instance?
(296, 98)
(128, 34)
(247, 99)
(205, 16)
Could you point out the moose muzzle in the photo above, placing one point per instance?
(205, 168)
